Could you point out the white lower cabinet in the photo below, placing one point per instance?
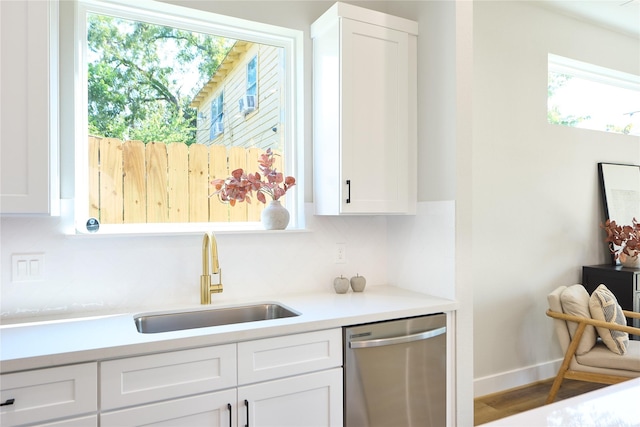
(293, 380)
(304, 400)
(60, 396)
(301, 401)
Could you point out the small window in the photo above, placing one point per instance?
(587, 96)
(217, 114)
(252, 76)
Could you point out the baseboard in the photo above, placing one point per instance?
(515, 378)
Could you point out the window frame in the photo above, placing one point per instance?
(290, 40)
(593, 73)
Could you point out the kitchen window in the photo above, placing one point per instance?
(138, 192)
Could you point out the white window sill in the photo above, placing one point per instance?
(165, 229)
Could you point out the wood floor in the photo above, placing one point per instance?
(510, 402)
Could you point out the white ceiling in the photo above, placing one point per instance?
(619, 15)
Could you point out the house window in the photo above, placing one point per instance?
(249, 103)
(588, 96)
(156, 78)
(217, 114)
(252, 76)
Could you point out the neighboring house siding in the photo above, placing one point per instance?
(254, 129)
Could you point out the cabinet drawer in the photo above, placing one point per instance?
(145, 379)
(49, 394)
(285, 356)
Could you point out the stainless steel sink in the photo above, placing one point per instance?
(177, 321)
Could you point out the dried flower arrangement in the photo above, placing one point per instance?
(239, 187)
(624, 240)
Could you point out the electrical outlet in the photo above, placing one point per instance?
(27, 267)
(341, 253)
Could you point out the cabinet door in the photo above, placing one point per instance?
(48, 394)
(306, 400)
(28, 120)
(375, 125)
(211, 410)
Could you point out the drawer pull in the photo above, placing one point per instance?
(8, 402)
(348, 191)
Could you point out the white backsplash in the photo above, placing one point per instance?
(97, 274)
(421, 253)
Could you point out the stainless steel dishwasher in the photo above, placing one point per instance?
(395, 373)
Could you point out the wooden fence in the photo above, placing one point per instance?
(130, 182)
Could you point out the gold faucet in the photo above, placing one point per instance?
(209, 246)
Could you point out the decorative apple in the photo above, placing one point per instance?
(358, 283)
(341, 284)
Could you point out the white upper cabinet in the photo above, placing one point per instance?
(28, 108)
(365, 120)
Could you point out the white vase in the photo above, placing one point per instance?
(630, 261)
(275, 216)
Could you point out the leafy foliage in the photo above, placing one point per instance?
(138, 78)
(239, 187)
(626, 130)
(554, 115)
(276, 185)
(624, 240)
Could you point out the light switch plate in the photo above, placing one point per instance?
(27, 267)
(341, 253)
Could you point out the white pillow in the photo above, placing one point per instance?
(575, 301)
(604, 306)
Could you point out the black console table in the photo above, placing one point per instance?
(623, 282)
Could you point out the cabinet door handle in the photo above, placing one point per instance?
(8, 402)
(246, 404)
(230, 416)
(348, 191)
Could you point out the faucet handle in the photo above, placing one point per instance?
(215, 264)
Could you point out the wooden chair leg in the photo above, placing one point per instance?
(573, 346)
(555, 387)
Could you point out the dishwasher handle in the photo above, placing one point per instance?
(398, 340)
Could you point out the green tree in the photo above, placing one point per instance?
(626, 130)
(141, 78)
(554, 115)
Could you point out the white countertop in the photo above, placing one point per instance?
(50, 343)
(612, 406)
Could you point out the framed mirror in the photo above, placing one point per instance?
(620, 187)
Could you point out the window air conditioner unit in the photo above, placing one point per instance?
(218, 128)
(247, 104)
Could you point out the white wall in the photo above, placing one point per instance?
(536, 204)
